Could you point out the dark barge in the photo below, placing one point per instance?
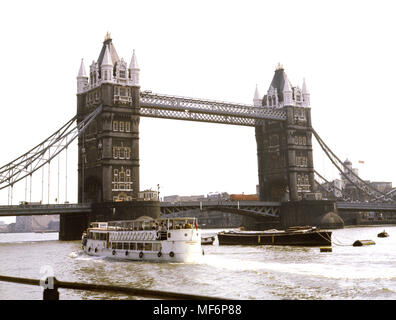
(291, 237)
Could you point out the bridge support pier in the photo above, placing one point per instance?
(255, 224)
(72, 225)
(319, 213)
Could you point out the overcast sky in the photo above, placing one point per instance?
(207, 49)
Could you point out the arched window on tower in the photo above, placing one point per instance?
(115, 180)
(122, 175)
(121, 151)
(127, 153)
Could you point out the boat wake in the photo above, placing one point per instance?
(81, 255)
(300, 269)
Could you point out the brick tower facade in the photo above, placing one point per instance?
(284, 149)
(108, 161)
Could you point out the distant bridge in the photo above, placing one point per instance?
(260, 209)
(254, 209)
(366, 206)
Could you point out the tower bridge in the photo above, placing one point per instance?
(106, 125)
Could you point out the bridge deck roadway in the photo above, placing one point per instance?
(366, 206)
(43, 209)
(248, 208)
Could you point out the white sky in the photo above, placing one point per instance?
(207, 49)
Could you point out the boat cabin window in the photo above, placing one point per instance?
(133, 246)
(147, 225)
(119, 245)
(140, 246)
(156, 246)
(182, 223)
(102, 225)
(97, 235)
(126, 246)
(148, 246)
(113, 245)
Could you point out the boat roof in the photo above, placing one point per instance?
(101, 226)
(150, 219)
(142, 219)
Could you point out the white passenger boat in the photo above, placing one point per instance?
(172, 240)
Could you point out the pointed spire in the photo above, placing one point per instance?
(82, 78)
(256, 94)
(133, 64)
(305, 95)
(81, 72)
(286, 87)
(257, 98)
(304, 87)
(107, 58)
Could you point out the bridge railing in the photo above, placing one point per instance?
(45, 209)
(49, 206)
(220, 203)
(51, 286)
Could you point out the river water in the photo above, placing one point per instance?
(237, 272)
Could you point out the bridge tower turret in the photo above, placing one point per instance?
(107, 67)
(257, 98)
(82, 78)
(108, 162)
(284, 149)
(134, 70)
(306, 95)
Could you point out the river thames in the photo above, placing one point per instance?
(230, 272)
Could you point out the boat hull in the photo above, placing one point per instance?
(314, 238)
(179, 245)
(194, 254)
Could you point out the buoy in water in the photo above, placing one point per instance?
(359, 243)
(326, 249)
(383, 234)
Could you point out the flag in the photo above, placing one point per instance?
(361, 161)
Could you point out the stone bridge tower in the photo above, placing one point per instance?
(108, 161)
(284, 149)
